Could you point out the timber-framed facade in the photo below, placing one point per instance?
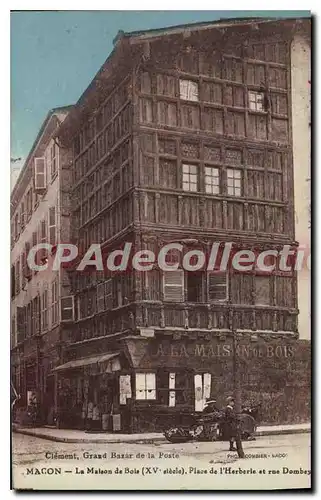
(183, 136)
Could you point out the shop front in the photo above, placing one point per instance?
(171, 378)
(87, 393)
(146, 384)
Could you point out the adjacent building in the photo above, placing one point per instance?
(40, 213)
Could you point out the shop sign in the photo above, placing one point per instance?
(217, 350)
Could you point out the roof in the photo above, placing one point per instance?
(125, 39)
(92, 360)
(50, 113)
(219, 23)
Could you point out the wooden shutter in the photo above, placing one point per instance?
(173, 285)
(100, 297)
(171, 385)
(22, 215)
(198, 386)
(217, 286)
(108, 294)
(40, 175)
(206, 386)
(125, 390)
(67, 308)
(52, 225)
(262, 290)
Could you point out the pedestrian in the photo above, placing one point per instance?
(96, 418)
(230, 421)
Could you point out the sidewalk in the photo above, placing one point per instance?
(78, 436)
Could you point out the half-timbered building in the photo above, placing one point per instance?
(185, 136)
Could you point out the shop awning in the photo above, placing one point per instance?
(92, 360)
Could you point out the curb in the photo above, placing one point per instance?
(161, 438)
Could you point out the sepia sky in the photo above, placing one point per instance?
(55, 55)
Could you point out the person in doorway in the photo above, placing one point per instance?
(90, 409)
(96, 418)
(230, 421)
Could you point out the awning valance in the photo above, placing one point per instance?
(92, 360)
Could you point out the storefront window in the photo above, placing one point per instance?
(145, 386)
(175, 388)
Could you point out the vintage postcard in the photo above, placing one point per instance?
(160, 250)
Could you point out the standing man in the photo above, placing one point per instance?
(230, 422)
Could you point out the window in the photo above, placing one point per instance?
(44, 310)
(40, 174)
(173, 285)
(54, 302)
(262, 290)
(118, 298)
(175, 388)
(100, 297)
(53, 159)
(145, 386)
(67, 308)
(35, 312)
(234, 182)
(52, 225)
(190, 177)
(29, 203)
(256, 101)
(13, 331)
(212, 180)
(188, 90)
(217, 287)
(17, 276)
(16, 226)
(194, 286)
(25, 266)
(22, 215)
(13, 282)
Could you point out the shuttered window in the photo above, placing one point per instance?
(173, 285)
(125, 390)
(217, 287)
(40, 174)
(54, 302)
(22, 215)
(17, 276)
(100, 297)
(52, 225)
(188, 90)
(53, 159)
(171, 384)
(262, 290)
(67, 308)
(44, 310)
(145, 386)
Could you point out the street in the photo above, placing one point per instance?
(270, 462)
